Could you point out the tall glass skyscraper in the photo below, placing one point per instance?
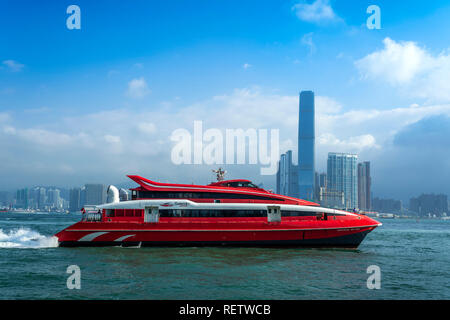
(287, 176)
(306, 140)
(95, 194)
(342, 176)
(364, 186)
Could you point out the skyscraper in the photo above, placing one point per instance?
(306, 140)
(430, 205)
(22, 198)
(287, 176)
(95, 194)
(342, 176)
(54, 198)
(75, 200)
(364, 183)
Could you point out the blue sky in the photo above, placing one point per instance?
(159, 65)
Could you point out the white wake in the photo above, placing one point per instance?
(26, 238)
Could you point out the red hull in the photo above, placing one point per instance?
(205, 232)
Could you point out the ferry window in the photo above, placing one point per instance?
(119, 212)
(129, 213)
(285, 213)
(203, 195)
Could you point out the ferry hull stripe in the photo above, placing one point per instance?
(92, 236)
(226, 230)
(124, 237)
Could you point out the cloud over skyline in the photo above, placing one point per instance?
(409, 67)
(95, 105)
(105, 146)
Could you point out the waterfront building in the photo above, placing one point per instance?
(22, 198)
(342, 176)
(82, 197)
(75, 200)
(386, 205)
(331, 198)
(319, 184)
(429, 205)
(95, 194)
(5, 198)
(54, 198)
(364, 186)
(306, 147)
(287, 176)
(41, 197)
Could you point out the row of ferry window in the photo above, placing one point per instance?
(205, 213)
(195, 195)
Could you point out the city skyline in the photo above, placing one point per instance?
(101, 102)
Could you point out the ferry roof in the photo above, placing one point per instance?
(149, 185)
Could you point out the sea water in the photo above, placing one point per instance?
(413, 257)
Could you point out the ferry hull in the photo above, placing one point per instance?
(347, 238)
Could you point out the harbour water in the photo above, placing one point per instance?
(413, 256)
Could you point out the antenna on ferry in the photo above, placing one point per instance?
(220, 174)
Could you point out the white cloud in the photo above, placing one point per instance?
(13, 66)
(246, 65)
(112, 139)
(409, 67)
(138, 88)
(107, 145)
(326, 105)
(4, 117)
(147, 127)
(352, 144)
(316, 12)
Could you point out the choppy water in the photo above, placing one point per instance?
(414, 257)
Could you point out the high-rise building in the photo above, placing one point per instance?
(430, 205)
(331, 198)
(306, 140)
(41, 197)
(386, 205)
(364, 186)
(75, 200)
(5, 198)
(287, 176)
(95, 194)
(320, 184)
(54, 198)
(342, 176)
(82, 196)
(22, 198)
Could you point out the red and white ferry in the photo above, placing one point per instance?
(232, 213)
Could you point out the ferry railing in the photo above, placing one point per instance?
(91, 217)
